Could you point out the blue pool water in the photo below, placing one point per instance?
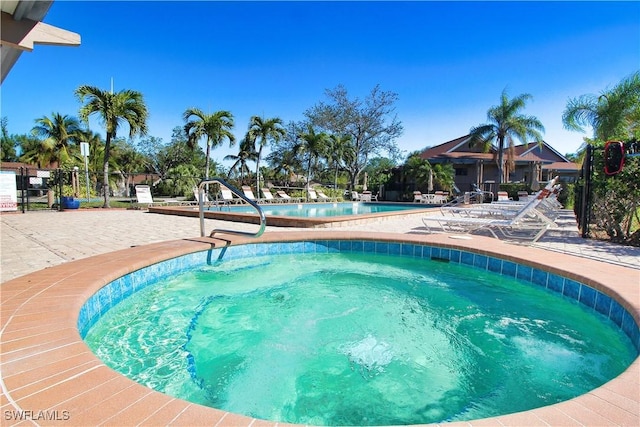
(359, 333)
(321, 210)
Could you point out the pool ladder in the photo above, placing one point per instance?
(220, 181)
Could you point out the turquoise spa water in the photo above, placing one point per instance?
(321, 210)
(358, 339)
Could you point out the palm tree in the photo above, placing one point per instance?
(265, 131)
(283, 161)
(61, 132)
(215, 127)
(339, 148)
(613, 114)
(313, 145)
(506, 123)
(246, 153)
(113, 109)
(41, 153)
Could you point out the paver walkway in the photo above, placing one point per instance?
(38, 240)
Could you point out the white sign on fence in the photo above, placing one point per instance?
(8, 192)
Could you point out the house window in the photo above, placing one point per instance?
(462, 172)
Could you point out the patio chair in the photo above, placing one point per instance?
(227, 196)
(503, 196)
(440, 197)
(196, 194)
(312, 195)
(287, 198)
(324, 197)
(248, 193)
(368, 196)
(527, 223)
(268, 197)
(355, 196)
(417, 197)
(509, 209)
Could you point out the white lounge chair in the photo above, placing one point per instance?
(324, 197)
(268, 197)
(508, 209)
(312, 194)
(527, 223)
(227, 195)
(287, 198)
(248, 193)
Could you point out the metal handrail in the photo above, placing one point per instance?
(220, 181)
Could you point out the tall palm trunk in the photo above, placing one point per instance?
(206, 164)
(308, 177)
(258, 168)
(105, 171)
(500, 160)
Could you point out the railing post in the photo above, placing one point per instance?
(220, 181)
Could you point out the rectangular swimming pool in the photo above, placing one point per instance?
(323, 210)
(302, 215)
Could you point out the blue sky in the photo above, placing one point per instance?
(447, 61)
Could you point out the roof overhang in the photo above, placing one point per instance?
(21, 29)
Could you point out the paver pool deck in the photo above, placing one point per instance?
(54, 261)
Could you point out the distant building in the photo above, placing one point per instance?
(533, 163)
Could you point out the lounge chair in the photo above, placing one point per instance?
(417, 197)
(287, 198)
(526, 224)
(143, 195)
(312, 195)
(523, 196)
(248, 193)
(355, 196)
(227, 195)
(509, 209)
(196, 194)
(324, 197)
(268, 197)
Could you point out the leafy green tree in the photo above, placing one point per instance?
(371, 125)
(60, 132)
(180, 180)
(379, 170)
(215, 127)
(340, 149)
(614, 114)
(284, 162)
(419, 170)
(444, 176)
(42, 154)
(313, 145)
(113, 109)
(263, 132)
(506, 123)
(8, 146)
(245, 154)
(131, 161)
